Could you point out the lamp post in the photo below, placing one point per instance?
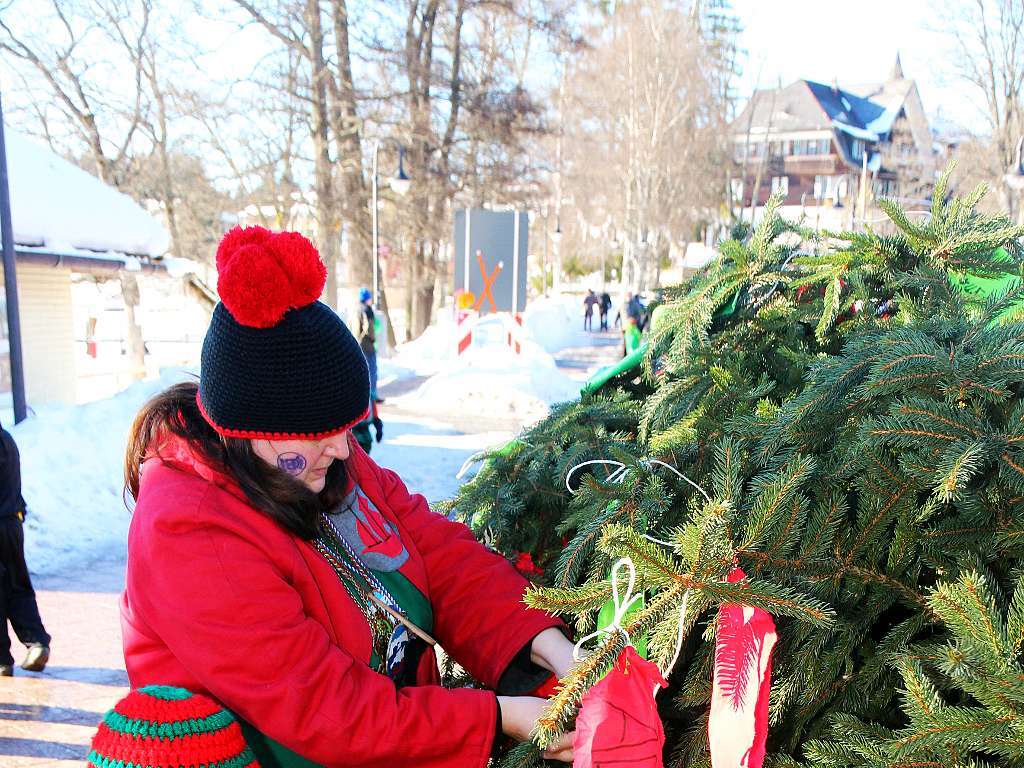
(11, 288)
(556, 238)
(399, 185)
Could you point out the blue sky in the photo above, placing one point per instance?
(854, 42)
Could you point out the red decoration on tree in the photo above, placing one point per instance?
(525, 565)
(618, 724)
(262, 274)
(738, 726)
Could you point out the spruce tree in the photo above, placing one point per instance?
(853, 428)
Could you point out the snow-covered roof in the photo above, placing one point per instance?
(854, 131)
(57, 206)
(865, 111)
(890, 96)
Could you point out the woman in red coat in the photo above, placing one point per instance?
(275, 567)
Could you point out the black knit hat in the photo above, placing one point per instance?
(276, 362)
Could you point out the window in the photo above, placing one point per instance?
(856, 149)
(886, 188)
(800, 147)
(820, 147)
(780, 184)
(829, 188)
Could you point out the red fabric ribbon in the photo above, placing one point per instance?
(618, 724)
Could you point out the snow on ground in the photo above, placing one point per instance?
(427, 453)
(489, 378)
(72, 466)
(556, 323)
(496, 382)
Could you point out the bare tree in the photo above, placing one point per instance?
(299, 26)
(988, 38)
(647, 100)
(118, 136)
(106, 125)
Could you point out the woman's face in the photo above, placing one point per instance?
(305, 460)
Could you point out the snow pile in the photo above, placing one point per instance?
(57, 206)
(433, 350)
(556, 323)
(428, 453)
(490, 380)
(72, 464)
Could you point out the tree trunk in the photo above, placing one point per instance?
(326, 210)
(345, 124)
(423, 301)
(410, 285)
(392, 338)
(136, 345)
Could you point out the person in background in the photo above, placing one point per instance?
(605, 306)
(635, 310)
(17, 598)
(366, 335)
(624, 300)
(631, 336)
(588, 310)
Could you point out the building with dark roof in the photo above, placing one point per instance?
(822, 145)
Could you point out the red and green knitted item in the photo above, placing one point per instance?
(163, 727)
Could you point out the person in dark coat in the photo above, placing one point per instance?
(588, 310)
(366, 335)
(635, 310)
(17, 598)
(605, 306)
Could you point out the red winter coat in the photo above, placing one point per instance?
(221, 600)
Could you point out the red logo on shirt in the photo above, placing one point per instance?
(376, 533)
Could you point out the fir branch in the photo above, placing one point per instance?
(569, 602)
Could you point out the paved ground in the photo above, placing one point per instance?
(47, 719)
(603, 348)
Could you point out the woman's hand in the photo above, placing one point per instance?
(550, 649)
(519, 715)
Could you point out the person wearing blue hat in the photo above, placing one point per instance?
(366, 335)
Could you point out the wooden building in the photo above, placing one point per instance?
(823, 145)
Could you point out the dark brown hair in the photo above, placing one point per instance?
(281, 497)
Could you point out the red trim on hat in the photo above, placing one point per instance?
(256, 434)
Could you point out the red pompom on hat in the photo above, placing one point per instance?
(263, 274)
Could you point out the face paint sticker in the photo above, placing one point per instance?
(291, 462)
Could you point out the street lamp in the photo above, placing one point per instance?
(399, 184)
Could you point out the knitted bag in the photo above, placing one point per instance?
(163, 727)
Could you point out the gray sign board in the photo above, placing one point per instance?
(490, 258)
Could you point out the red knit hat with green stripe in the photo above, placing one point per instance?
(163, 727)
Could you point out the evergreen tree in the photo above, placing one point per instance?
(850, 428)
